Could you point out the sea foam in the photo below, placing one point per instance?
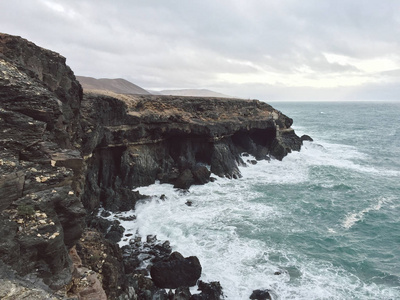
(226, 227)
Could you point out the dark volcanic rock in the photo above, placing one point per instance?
(306, 137)
(209, 291)
(260, 295)
(132, 141)
(41, 170)
(182, 293)
(185, 180)
(176, 271)
(201, 174)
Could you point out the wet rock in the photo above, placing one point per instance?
(176, 271)
(261, 295)
(145, 288)
(115, 232)
(138, 254)
(225, 160)
(201, 174)
(182, 293)
(306, 137)
(185, 180)
(209, 291)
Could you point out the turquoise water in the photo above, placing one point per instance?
(326, 218)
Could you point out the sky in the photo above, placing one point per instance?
(258, 49)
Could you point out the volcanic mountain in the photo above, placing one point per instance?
(118, 85)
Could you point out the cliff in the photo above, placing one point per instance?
(135, 140)
(64, 154)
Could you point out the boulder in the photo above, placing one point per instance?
(261, 295)
(185, 180)
(176, 271)
(201, 174)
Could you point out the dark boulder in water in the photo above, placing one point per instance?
(176, 271)
(261, 295)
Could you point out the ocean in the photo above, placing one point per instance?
(324, 223)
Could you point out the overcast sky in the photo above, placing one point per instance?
(264, 49)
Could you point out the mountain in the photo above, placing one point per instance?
(118, 85)
(194, 93)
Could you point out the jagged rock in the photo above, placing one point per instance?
(115, 232)
(13, 290)
(40, 167)
(201, 174)
(138, 253)
(103, 257)
(176, 271)
(306, 137)
(261, 295)
(209, 291)
(86, 284)
(182, 293)
(185, 180)
(225, 160)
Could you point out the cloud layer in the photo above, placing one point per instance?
(271, 50)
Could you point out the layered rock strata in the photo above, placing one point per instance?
(41, 168)
(132, 141)
(64, 154)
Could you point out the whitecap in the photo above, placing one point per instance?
(353, 218)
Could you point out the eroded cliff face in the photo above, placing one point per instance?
(41, 169)
(64, 154)
(135, 140)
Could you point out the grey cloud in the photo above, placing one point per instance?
(171, 44)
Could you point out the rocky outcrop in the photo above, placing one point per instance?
(63, 155)
(132, 141)
(40, 164)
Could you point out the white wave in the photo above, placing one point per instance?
(212, 228)
(342, 157)
(353, 218)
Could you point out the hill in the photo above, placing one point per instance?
(118, 85)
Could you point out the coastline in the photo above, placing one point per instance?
(76, 152)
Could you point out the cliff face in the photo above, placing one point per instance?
(40, 166)
(135, 140)
(62, 152)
